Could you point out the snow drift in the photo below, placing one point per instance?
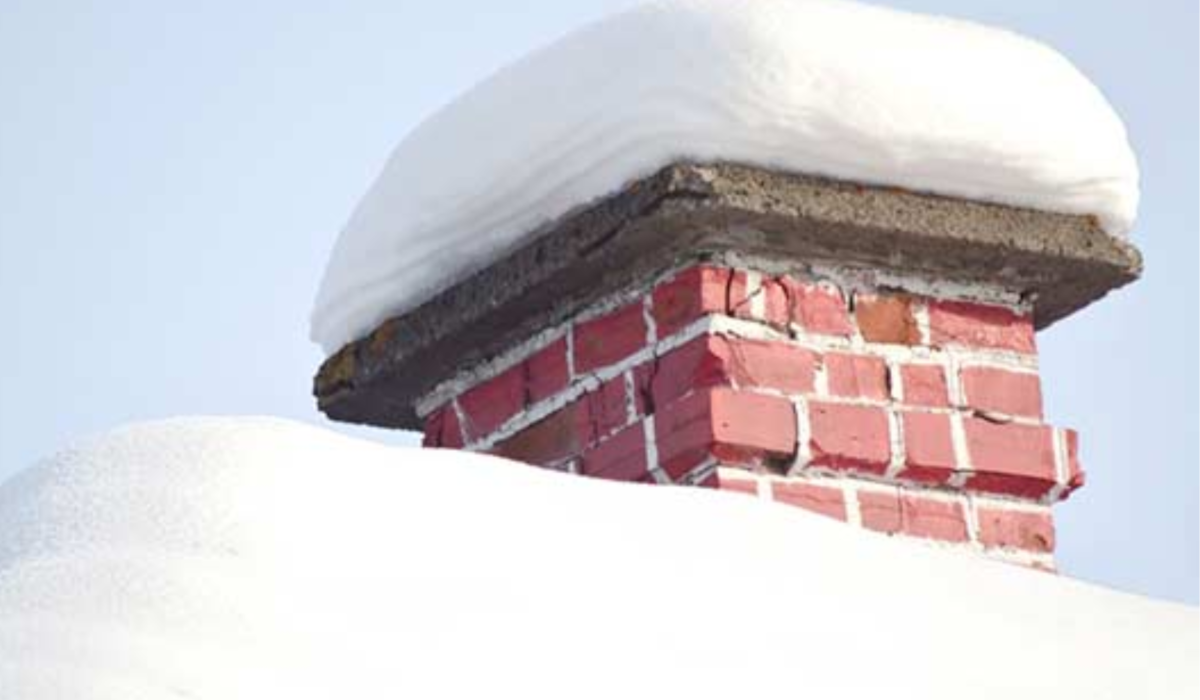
(256, 558)
(825, 87)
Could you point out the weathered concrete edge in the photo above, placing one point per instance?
(687, 211)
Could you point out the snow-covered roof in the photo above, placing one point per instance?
(257, 558)
(826, 87)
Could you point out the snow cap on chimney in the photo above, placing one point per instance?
(791, 250)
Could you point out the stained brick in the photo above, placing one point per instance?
(849, 437)
(924, 385)
(1010, 458)
(621, 457)
(643, 379)
(928, 447)
(992, 389)
(886, 319)
(853, 375)
(826, 500)
(689, 295)
(1029, 530)
(610, 338)
(559, 436)
(979, 325)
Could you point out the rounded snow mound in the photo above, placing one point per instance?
(825, 87)
(236, 558)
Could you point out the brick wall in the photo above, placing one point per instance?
(906, 414)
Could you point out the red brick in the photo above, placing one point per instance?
(851, 375)
(979, 325)
(768, 293)
(748, 485)
(935, 519)
(683, 434)
(849, 437)
(766, 364)
(731, 426)
(621, 457)
(431, 435)
(818, 309)
(771, 294)
(924, 385)
(559, 436)
(610, 338)
(893, 512)
(752, 428)
(1028, 530)
(713, 360)
(880, 511)
(739, 293)
(991, 389)
(825, 500)
(442, 429)
(606, 407)
(778, 308)
(886, 319)
(696, 364)
(1076, 477)
(546, 371)
(487, 405)
(689, 295)
(490, 403)
(928, 447)
(1010, 458)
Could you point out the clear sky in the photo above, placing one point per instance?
(173, 175)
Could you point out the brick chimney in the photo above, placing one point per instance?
(864, 353)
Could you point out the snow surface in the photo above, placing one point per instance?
(826, 87)
(256, 558)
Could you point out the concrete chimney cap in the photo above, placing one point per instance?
(1057, 263)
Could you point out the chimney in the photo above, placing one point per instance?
(865, 353)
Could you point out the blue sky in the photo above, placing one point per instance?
(173, 175)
